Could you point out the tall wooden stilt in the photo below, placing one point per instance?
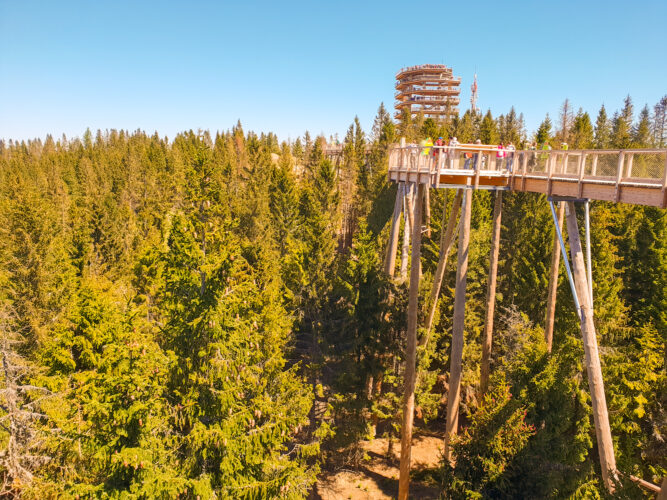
(427, 202)
(411, 353)
(454, 393)
(663, 489)
(553, 283)
(446, 243)
(407, 227)
(390, 260)
(491, 294)
(595, 382)
(410, 205)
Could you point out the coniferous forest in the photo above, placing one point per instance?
(207, 316)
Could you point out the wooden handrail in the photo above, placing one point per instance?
(632, 176)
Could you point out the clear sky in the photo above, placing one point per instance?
(288, 66)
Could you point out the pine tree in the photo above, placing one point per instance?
(22, 428)
(488, 132)
(405, 127)
(660, 122)
(621, 133)
(464, 128)
(237, 406)
(565, 121)
(641, 134)
(283, 203)
(363, 345)
(512, 129)
(112, 411)
(581, 134)
(543, 134)
(602, 130)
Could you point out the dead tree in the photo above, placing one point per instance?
(21, 418)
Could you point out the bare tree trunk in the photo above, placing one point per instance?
(454, 393)
(411, 353)
(491, 294)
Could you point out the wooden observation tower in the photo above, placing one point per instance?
(430, 89)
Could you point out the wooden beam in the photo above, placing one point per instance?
(619, 176)
(593, 368)
(390, 260)
(491, 294)
(524, 165)
(663, 490)
(551, 159)
(649, 486)
(581, 168)
(446, 243)
(456, 359)
(553, 283)
(410, 206)
(427, 201)
(407, 227)
(411, 354)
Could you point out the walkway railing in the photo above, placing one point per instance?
(575, 172)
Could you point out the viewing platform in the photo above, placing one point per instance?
(428, 89)
(637, 176)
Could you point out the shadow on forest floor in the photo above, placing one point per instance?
(377, 478)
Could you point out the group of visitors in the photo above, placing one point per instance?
(504, 153)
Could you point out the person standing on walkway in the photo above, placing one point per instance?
(500, 156)
(510, 156)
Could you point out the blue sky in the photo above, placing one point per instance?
(288, 67)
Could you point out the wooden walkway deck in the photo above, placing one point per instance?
(637, 176)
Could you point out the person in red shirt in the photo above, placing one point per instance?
(438, 142)
(500, 156)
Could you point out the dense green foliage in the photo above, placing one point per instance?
(209, 317)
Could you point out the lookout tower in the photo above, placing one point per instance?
(431, 89)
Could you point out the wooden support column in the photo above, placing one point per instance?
(593, 368)
(427, 201)
(491, 294)
(662, 495)
(407, 227)
(411, 353)
(410, 205)
(390, 260)
(456, 358)
(446, 243)
(553, 283)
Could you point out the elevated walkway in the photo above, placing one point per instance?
(637, 176)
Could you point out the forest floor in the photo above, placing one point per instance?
(377, 477)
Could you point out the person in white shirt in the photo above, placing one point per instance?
(510, 156)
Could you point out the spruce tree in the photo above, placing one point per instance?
(565, 121)
(641, 133)
(602, 130)
(621, 133)
(659, 127)
(543, 134)
(488, 131)
(581, 134)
